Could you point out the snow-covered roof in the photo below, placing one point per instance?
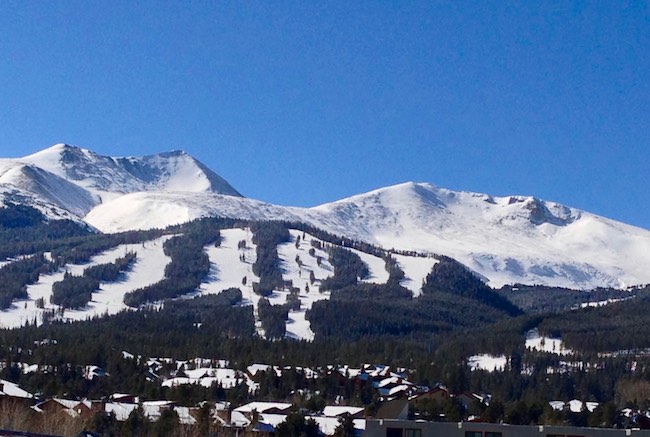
(329, 424)
(179, 380)
(239, 420)
(120, 409)
(334, 410)
(326, 424)
(118, 396)
(66, 402)
(184, 416)
(254, 368)
(398, 389)
(8, 388)
(198, 373)
(576, 405)
(388, 381)
(153, 409)
(261, 407)
(352, 373)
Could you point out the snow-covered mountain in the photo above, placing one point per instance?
(76, 180)
(506, 240)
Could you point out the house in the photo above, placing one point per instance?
(12, 393)
(264, 407)
(340, 411)
(467, 399)
(396, 409)
(438, 394)
(124, 398)
(83, 409)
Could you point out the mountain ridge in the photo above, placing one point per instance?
(509, 239)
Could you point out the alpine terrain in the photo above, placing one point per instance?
(505, 240)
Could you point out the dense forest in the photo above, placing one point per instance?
(267, 236)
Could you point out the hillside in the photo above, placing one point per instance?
(303, 259)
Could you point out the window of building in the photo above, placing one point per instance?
(493, 434)
(413, 433)
(473, 434)
(554, 435)
(393, 432)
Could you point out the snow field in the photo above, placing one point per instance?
(228, 269)
(545, 344)
(298, 326)
(415, 270)
(487, 362)
(148, 269)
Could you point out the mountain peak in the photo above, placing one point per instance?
(174, 153)
(96, 179)
(59, 146)
(54, 150)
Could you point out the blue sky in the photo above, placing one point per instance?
(301, 103)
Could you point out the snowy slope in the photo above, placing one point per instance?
(504, 239)
(109, 177)
(146, 210)
(230, 264)
(415, 271)
(298, 326)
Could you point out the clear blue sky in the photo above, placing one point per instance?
(301, 103)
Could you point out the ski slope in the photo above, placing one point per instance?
(148, 269)
(228, 269)
(298, 326)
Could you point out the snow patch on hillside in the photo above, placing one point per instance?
(487, 362)
(148, 210)
(536, 342)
